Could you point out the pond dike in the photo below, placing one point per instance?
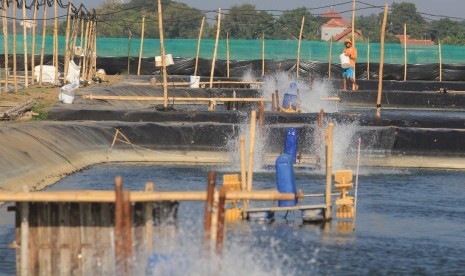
(37, 154)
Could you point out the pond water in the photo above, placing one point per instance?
(408, 222)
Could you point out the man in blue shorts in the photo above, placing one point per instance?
(349, 73)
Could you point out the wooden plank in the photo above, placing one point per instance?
(290, 208)
(87, 238)
(54, 232)
(33, 238)
(76, 266)
(106, 239)
(135, 196)
(64, 236)
(186, 99)
(45, 249)
(24, 247)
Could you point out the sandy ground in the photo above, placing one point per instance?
(44, 96)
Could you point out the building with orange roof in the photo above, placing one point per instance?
(336, 27)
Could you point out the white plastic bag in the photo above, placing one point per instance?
(73, 72)
(67, 92)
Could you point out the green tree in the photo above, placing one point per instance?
(289, 23)
(246, 22)
(406, 13)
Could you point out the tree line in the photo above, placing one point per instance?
(246, 22)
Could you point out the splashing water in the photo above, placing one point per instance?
(313, 96)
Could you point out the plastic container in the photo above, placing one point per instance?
(345, 61)
(168, 60)
(291, 143)
(285, 178)
(290, 100)
(194, 81)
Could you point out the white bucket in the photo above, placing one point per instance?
(194, 82)
(168, 60)
(345, 61)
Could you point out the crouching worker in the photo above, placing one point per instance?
(349, 72)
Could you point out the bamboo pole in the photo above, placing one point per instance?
(263, 54)
(33, 49)
(353, 22)
(55, 39)
(15, 78)
(5, 41)
(218, 27)
(68, 25)
(94, 56)
(141, 44)
(162, 48)
(243, 166)
(209, 210)
(329, 169)
(26, 73)
(381, 63)
(368, 60)
(227, 55)
(84, 196)
(92, 52)
(81, 41)
(198, 47)
(186, 99)
(298, 46)
(253, 120)
(129, 52)
(84, 58)
(261, 116)
(440, 59)
(405, 52)
(221, 229)
(330, 57)
(353, 36)
(42, 52)
(76, 21)
(273, 103)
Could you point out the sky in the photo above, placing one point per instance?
(441, 7)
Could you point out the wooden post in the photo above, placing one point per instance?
(15, 80)
(227, 55)
(163, 61)
(44, 32)
(220, 231)
(381, 63)
(405, 52)
(253, 121)
(261, 116)
(298, 46)
(440, 59)
(33, 49)
(263, 54)
(273, 104)
(276, 93)
(198, 47)
(127, 216)
(141, 44)
(243, 174)
(68, 24)
(26, 73)
(119, 221)
(55, 39)
(368, 59)
(129, 52)
(24, 235)
(330, 57)
(5, 41)
(329, 169)
(92, 50)
(148, 217)
(216, 48)
(209, 209)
